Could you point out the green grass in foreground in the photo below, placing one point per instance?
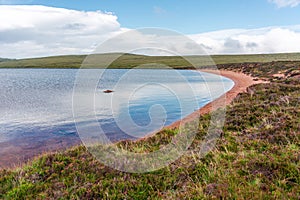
(130, 60)
(257, 157)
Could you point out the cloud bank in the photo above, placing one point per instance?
(253, 41)
(31, 31)
(35, 31)
(285, 3)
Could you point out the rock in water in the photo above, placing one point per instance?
(108, 91)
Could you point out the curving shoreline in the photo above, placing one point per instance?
(257, 149)
(241, 83)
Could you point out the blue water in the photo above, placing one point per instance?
(36, 104)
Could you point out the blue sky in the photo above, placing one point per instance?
(189, 17)
(33, 28)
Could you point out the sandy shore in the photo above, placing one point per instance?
(15, 154)
(241, 83)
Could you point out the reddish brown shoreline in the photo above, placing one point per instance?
(17, 157)
(241, 83)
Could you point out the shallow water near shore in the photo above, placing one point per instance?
(37, 114)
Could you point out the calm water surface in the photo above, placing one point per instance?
(36, 105)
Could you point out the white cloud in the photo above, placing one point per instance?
(285, 3)
(235, 41)
(34, 31)
(252, 41)
(151, 41)
(27, 31)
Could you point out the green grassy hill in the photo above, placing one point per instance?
(130, 60)
(257, 156)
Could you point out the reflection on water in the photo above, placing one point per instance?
(36, 104)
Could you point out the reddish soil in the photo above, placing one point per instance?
(17, 153)
(242, 82)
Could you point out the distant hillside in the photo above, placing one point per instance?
(131, 60)
(4, 59)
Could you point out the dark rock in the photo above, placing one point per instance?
(108, 91)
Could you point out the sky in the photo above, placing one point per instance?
(33, 28)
